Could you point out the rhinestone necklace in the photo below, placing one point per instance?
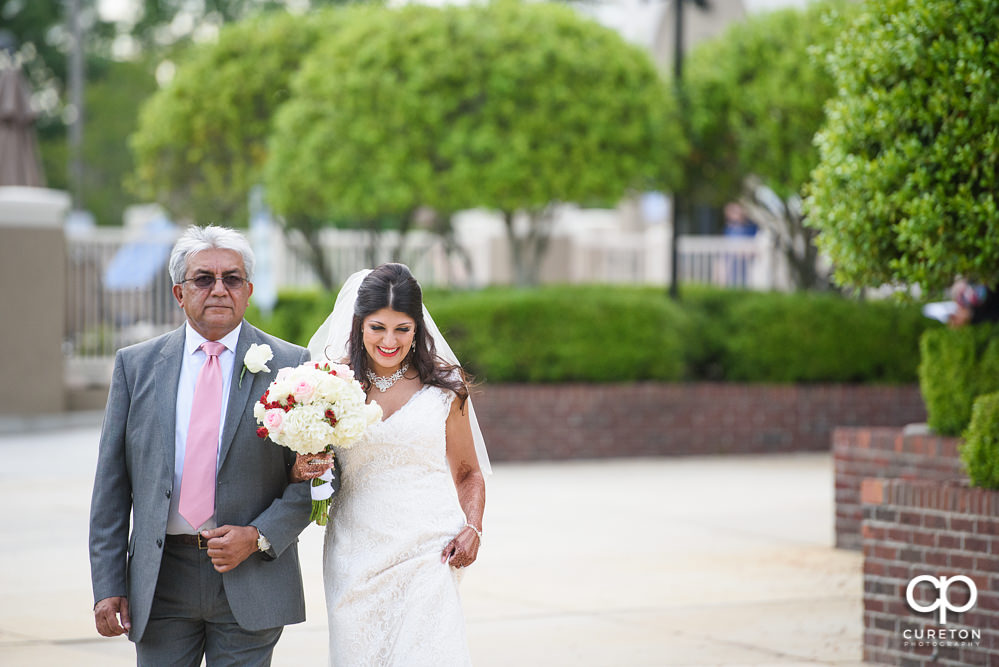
(383, 384)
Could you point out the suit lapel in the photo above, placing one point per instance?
(166, 371)
(238, 395)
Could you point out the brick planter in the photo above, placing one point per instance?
(859, 453)
(525, 422)
(940, 529)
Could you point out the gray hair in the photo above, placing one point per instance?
(195, 239)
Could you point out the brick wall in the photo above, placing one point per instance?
(525, 422)
(943, 529)
(859, 453)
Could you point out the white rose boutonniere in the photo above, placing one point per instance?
(256, 359)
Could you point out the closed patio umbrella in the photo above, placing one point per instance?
(19, 158)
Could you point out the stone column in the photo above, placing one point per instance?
(32, 300)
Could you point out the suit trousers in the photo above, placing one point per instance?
(191, 618)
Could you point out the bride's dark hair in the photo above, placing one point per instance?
(393, 286)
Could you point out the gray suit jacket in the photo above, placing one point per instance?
(135, 469)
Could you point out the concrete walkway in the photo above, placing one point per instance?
(697, 561)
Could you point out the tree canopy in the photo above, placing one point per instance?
(905, 190)
(755, 97)
(508, 106)
(202, 140)
(117, 79)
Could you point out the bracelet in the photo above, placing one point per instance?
(477, 531)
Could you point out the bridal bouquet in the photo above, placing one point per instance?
(310, 409)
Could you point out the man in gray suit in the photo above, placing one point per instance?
(184, 586)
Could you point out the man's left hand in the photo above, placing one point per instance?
(228, 546)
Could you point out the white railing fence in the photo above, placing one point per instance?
(100, 319)
(347, 251)
(726, 261)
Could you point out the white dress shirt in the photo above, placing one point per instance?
(194, 359)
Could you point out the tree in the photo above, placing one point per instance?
(115, 83)
(42, 41)
(508, 106)
(755, 96)
(154, 28)
(202, 140)
(38, 35)
(905, 190)
(112, 102)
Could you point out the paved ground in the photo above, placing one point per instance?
(695, 561)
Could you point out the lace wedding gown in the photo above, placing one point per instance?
(389, 598)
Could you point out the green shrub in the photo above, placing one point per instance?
(711, 325)
(625, 334)
(980, 450)
(956, 366)
(905, 191)
(808, 337)
(566, 334)
(296, 316)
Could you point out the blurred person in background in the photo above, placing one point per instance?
(975, 304)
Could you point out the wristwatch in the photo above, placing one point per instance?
(263, 544)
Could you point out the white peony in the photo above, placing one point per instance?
(280, 389)
(305, 429)
(350, 428)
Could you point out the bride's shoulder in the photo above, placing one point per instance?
(451, 374)
(452, 382)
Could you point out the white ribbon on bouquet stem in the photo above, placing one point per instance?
(324, 490)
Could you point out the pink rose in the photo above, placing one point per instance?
(283, 373)
(343, 371)
(274, 420)
(303, 391)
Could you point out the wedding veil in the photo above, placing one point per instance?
(331, 339)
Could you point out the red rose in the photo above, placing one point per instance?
(262, 432)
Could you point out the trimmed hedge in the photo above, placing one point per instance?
(296, 316)
(623, 334)
(568, 334)
(980, 451)
(956, 366)
(808, 337)
(906, 191)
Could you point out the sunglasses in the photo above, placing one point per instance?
(205, 281)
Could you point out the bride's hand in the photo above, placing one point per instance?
(304, 469)
(463, 549)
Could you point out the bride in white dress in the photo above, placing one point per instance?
(408, 514)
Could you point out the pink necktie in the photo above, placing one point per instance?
(197, 486)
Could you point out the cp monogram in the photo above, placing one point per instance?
(943, 601)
